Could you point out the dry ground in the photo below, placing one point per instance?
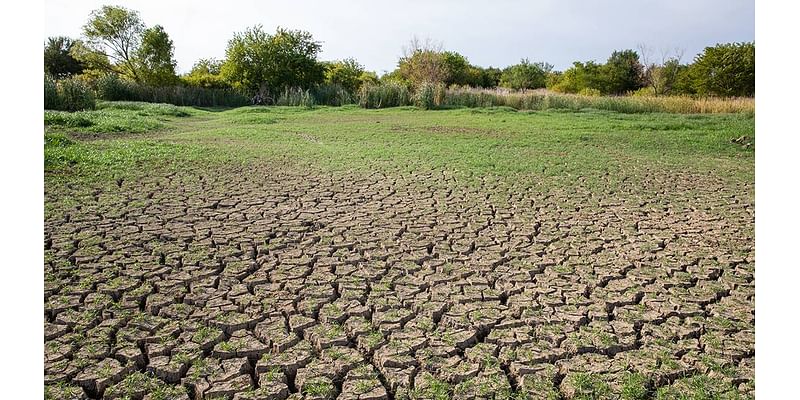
(258, 254)
(267, 282)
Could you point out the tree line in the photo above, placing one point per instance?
(116, 42)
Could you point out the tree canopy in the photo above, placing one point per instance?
(116, 32)
(525, 75)
(725, 70)
(258, 60)
(154, 57)
(58, 60)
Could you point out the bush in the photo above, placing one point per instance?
(67, 95)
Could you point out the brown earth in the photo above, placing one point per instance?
(273, 283)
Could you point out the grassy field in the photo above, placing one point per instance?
(119, 139)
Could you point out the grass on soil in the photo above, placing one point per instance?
(122, 139)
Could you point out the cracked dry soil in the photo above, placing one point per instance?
(274, 283)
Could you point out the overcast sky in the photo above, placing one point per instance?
(488, 33)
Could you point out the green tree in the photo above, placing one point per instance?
(490, 77)
(662, 78)
(423, 62)
(588, 75)
(623, 73)
(257, 60)
(725, 70)
(525, 75)
(368, 78)
(206, 74)
(683, 81)
(116, 33)
(457, 68)
(395, 77)
(94, 64)
(347, 73)
(156, 65)
(58, 62)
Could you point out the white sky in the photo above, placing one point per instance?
(489, 32)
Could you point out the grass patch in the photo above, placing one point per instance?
(700, 387)
(553, 145)
(117, 117)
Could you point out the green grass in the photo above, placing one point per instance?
(466, 142)
(700, 387)
(116, 117)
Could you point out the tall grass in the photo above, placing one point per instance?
(384, 95)
(67, 95)
(430, 95)
(295, 97)
(538, 100)
(332, 95)
(112, 88)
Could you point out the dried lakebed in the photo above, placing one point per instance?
(275, 283)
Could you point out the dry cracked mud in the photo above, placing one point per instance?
(280, 283)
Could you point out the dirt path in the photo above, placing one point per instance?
(269, 282)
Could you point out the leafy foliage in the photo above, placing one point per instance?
(457, 67)
(95, 64)
(580, 76)
(423, 66)
(525, 75)
(155, 61)
(116, 32)
(58, 61)
(257, 60)
(206, 74)
(50, 93)
(725, 70)
(622, 72)
(347, 73)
